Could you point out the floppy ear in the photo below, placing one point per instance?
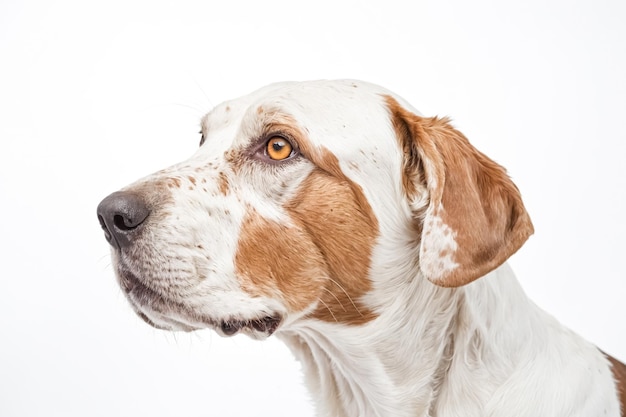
(474, 219)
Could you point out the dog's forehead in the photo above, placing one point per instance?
(330, 104)
(340, 115)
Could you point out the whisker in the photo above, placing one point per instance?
(347, 295)
(187, 106)
(337, 299)
(206, 96)
(105, 258)
(328, 308)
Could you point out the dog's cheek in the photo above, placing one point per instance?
(339, 221)
(279, 261)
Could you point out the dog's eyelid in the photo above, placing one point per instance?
(259, 149)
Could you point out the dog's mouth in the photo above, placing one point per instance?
(267, 325)
(162, 312)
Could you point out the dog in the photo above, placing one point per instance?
(373, 241)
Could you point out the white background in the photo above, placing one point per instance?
(96, 94)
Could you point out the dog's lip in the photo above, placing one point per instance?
(159, 312)
(267, 324)
(141, 296)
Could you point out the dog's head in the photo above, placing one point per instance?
(304, 202)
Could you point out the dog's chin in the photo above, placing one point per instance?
(162, 322)
(161, 312)
(256, 328)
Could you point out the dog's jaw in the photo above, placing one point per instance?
(167, 310)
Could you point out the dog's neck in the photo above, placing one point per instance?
(398, 364)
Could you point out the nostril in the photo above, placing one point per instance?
(120, 215)
(124, 223)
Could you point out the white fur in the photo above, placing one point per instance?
(440, 262)
(502, 356)
(479, 350)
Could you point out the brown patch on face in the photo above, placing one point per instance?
(469, 194)
(339, 221)
(275, 257)
(324, 255)
(222, 183)
(233, 157)
(619, 373)
(173, 182)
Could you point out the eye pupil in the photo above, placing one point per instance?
(278, 148)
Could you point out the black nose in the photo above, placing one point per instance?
(121, 215)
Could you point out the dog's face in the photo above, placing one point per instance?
(307, 201)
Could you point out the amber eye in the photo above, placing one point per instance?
(278, 148)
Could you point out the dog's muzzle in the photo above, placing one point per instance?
(123, 216)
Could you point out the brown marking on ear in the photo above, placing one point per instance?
(340, 222)
(412, 169)
(475, 218)
(619, 374)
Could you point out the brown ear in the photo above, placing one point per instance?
(474, 219)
